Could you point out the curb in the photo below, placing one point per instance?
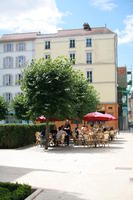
(34, 194)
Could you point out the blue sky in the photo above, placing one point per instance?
(50, 15)
(101, 12)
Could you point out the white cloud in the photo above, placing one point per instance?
(29, 15)
(126, 35)
(106, 5)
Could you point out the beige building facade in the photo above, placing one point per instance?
(95, 54)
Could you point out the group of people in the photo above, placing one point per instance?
(98, 129)
(56, 134)
(63, 133)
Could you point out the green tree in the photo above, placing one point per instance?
(3, 108)
(20, 107)
(48, 86)
(55, 90)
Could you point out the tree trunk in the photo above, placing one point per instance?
(47, 134)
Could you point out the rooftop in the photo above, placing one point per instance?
(61, 33)
(78, 32)
(19, 36)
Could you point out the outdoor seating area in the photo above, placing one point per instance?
(94, 134)
(94, 137)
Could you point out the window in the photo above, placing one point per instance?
(20, 46)
(110, 108)
(89, 58)
(72, 43)
(8, 97)
(89, 76)
(8, 62)
(20, 61)
(8, 47)
(47, 44)
(72, 57)
(7, 80)
(18, 79)
(88, 42)
(47, 56)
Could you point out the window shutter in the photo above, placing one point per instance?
(16, 79)
(24, 60)
(3, 80)
(11, 81)
(4, 62)
(11, 96)
(12, 62)
(16, 47)
(16, 61)
(4, 48)
(11, 47)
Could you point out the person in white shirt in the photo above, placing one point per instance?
(60, 132)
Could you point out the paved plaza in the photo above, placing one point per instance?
(74, 173)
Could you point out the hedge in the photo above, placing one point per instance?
(14, 136)
(14, 191)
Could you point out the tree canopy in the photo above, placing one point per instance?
(20, 107)
(3, 108)
(54, 89)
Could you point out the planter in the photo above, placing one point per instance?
(34, 194)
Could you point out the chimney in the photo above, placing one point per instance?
(86, 26)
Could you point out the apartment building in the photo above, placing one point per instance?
(16, 50)
(94, 52)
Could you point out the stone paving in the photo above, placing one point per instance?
(74, 173)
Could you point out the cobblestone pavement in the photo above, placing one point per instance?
(74, 173)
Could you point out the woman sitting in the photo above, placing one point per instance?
(60, 136)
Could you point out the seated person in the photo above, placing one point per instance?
(60, 133)
(86, 130)
(54, 133)
(76, 132)
(67, 129)
(42, 134)
(111, 133)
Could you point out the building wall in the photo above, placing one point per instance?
(113, 110)
(103, 65)
(28, 53)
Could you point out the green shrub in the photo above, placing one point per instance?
(14, 191)
(14, 135)
(4, 192)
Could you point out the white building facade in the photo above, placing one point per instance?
(16, 51)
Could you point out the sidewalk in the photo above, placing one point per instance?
(78, 173)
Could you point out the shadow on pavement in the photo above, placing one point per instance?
(113, 145)
(82, 149)
(10, 174)
(49, 194)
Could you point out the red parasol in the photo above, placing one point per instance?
(95, 116)
(41, 118)
(110, 117)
